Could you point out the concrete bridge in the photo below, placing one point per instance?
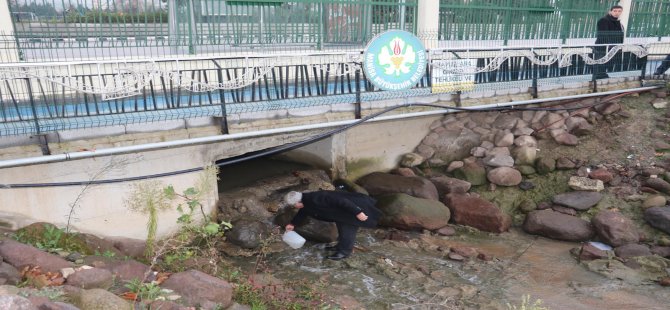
(92, 173)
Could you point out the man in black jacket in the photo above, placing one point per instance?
(349, 211)
(609, 31)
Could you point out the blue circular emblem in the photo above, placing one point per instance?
(395, 60)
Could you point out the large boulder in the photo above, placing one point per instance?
(247, 233)
(198, 288)
(123, 270)
(18, 254)
(578, 200)
(15, 302)
(9, 274)
(556, 225)
(659, 218)
(614, 228)
(659, 185)
(91, 278)
(478, 213)
(406, 212)
(454, 144)
(632, 250)
(380, 183)
(525, 155)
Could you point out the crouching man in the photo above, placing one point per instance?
(348, 210)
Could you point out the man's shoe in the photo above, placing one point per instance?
(331, 247)
(338, 256)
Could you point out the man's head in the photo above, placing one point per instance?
(294, 199)
(615, 11)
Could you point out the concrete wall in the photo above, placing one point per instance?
(8, 50)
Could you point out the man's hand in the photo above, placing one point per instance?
(289, 227)
(362, 217)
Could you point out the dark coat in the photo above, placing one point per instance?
(609, 31)
(337, 206)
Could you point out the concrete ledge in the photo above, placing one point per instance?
(309, 111)
(383, 103)
(202, 121)
(424, 99)
(11, 141)
(271, 114)
(80, 134)
(342, 107)
(158, 126)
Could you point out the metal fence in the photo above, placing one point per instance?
(649, 18)
(76, 29)
(506, 20)
(46, 97)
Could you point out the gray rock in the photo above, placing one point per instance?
(487, 145)
(586, 184)
(473, 171)
(125, 270)
(99, 299)
(632, 250)
(504, 176)
(504, 139)
(563, 163)
(544, 165)
(499, 161)
(425, 151)
(553, 121)
(198, 288)
(379, 183)
(478, 151)
(578, 126)
(91, 278)
(14, 302)
(498, 150)
(614, 228)
(526, 170)
(505, 121)
(446, 185)
(524, 131)
(525, 141)
(9, 274)
(567, 139)
(654, 201)
(659, 185)
(454, 165)
(411, 160)
(527, 206)
(18, 254)
(578, 200)
(455, 144)
(556, 225)
(659, 218)
(410, 213)
(247, 233)
(525, 155)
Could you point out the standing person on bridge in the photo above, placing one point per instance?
(348, 210)
(609, 31)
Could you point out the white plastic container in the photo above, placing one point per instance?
(293, 239)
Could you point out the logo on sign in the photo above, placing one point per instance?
(395, 60)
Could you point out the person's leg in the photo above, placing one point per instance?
(346, 238)
(599, 69)
(665, 64)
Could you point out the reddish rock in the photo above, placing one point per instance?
(632, 250)
(446, 231)
(198, 288)
(567, 139)
(564, 210)
(504, 176)
(601, 174)
(662, 251)
(18, 254)
(91, 278)
(405, 172)
(589, 252)
(478, 213)
(664, 281)
(127, 270)
(485, 257)
(446, 185)
(456, 257)
(465, 251)
(614, 228)
(379, 183)
(555, 225)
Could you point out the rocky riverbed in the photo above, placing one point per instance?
(493, 210)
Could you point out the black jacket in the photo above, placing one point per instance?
(609, 31)
(336, 206)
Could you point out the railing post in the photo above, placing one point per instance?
(224, 113)
(38, 132)
(357, 108)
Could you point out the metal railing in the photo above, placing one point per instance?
(47, 97)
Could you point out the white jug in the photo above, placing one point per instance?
(293, 239)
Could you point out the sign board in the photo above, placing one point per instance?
(445, 77)
(395, 60)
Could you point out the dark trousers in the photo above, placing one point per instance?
(346, 235)
(665, 64)
(599, 71)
